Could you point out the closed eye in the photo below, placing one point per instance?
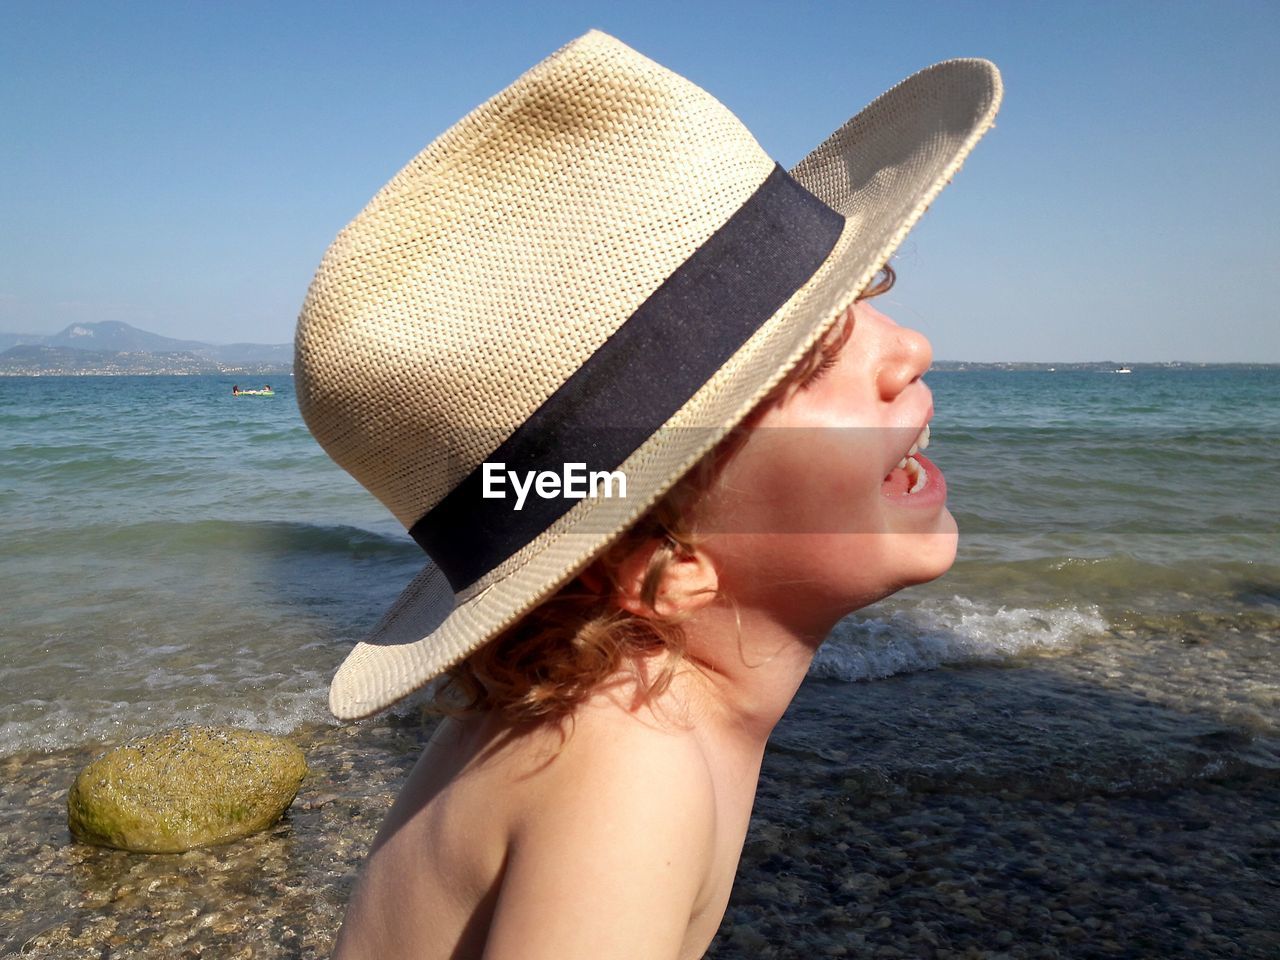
(829, 360)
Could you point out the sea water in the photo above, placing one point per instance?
(170, 554)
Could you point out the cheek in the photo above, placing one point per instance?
(843, 496)
(800, 495)
(808, 581)
(802, 481)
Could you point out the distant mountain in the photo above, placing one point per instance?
(118, 347)
(116, 337)
(8, 340)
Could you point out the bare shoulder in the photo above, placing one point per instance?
(618, 772)
(625, 803)
(625, 756)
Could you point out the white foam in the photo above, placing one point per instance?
(956, 630)
(52, 725)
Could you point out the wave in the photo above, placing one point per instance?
(955, 631)
(263, 538)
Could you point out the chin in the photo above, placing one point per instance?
(933, 553)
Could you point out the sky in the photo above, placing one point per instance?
(182, 166)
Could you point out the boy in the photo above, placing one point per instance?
(599, 276)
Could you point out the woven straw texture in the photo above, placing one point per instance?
(502, 257)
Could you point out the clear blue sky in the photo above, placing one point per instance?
(182, 166)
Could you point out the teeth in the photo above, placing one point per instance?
(922, 443)
(919, 476)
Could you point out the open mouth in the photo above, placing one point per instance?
(909, 475)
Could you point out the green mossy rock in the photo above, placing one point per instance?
(191, 787)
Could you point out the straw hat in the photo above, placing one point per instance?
(599, 266)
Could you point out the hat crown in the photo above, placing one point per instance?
(503, 256)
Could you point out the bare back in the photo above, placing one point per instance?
(621, 840)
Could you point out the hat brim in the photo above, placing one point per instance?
(881, 170)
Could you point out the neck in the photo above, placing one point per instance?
(748, 669)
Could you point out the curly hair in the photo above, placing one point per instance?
(579, 639)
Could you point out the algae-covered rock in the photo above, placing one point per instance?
(185, 788)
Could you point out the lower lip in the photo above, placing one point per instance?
(934, 493)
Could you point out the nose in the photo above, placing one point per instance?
(904, 357)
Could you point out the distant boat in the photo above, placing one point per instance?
(1122, 370)
(254, 393)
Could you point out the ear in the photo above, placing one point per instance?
(593, 578)
(688, 583)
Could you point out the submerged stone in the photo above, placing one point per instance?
(191, 787)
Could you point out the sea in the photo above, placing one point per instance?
(1073, 733)
(171, 553)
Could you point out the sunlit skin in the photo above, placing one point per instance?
(803, 529)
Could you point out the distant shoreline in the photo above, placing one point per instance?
(110, 348)
(248, 374)
(155, 366)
